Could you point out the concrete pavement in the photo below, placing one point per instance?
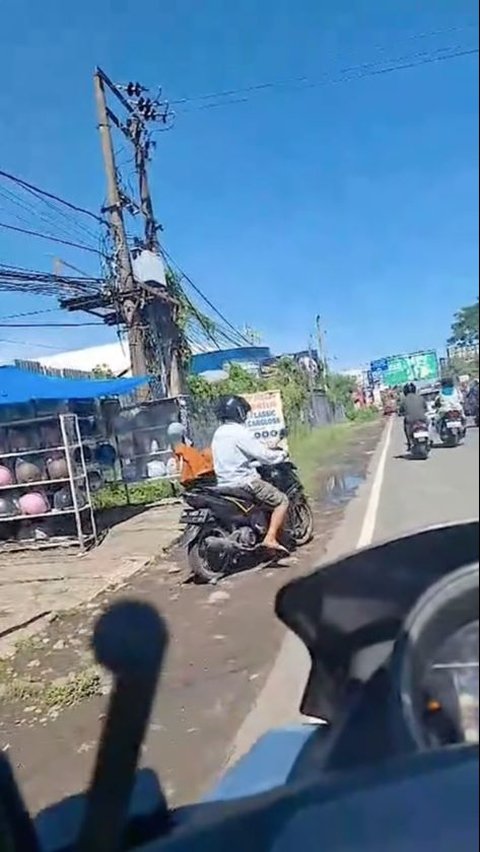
(400, 496)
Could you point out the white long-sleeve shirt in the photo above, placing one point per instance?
(235, 451)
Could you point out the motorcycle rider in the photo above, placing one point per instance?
(414, 409)
(449, 399)
(236, 452)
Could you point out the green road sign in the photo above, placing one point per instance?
(417, 367)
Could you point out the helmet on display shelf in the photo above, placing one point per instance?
(6, 475)
(7, 507)
(57, 468)
(105, 454)
(33, 503)
(63, 499)
(27, 471)
(87, 454)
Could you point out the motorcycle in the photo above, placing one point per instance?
(420, 442)
(224, 527)
(451, 428)
(391, 764)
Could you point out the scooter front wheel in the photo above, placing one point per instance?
(301, 522)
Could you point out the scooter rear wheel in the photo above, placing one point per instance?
(202, 570)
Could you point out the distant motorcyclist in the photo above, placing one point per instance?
(414, 409)
(236, 452)
(449, 399)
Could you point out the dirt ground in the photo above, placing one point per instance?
(222, 644)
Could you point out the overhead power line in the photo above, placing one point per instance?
(39, 191)
(49, 324)
(52, 239)
(205, 298)
(347, 75)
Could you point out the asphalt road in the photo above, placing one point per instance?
(416, 494)
(401, 496)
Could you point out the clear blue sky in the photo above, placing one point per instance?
(358, 201)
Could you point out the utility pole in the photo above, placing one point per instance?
(321, 351)
(148, 309)
(129, 293)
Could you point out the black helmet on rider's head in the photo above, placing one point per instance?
(409, 388)
(233, 408)
(447, 382)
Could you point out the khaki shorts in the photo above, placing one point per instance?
(267, 494)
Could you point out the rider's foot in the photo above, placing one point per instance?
(273, 544)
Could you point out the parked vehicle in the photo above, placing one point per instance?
(420, 440)
(388, 759)
(451, 427)
(224, 527)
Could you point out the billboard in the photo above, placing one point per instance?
(399, 369)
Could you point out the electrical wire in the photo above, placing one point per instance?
(53, 239)
(30, 343)
(347, 75)
(50, 324)
(37, 190)
(207, 301)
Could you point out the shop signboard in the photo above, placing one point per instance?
(266, 420)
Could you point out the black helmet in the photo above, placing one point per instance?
(409, 388)
(234, 408)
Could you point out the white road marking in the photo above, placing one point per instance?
(368, 527)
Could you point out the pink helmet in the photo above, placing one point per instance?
(6, 477)
(33, 503)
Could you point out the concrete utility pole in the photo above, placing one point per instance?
(129, 293)
(150, 310)
(321, 351)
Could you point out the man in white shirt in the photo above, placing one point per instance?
(236, 454)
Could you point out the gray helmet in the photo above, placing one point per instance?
(176, 432)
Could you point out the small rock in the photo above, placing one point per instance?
(84, 747)
(33, 664)
(59, 645)
(174, 569)
(218, 596)
(6, 747)
(219, 637)
(52, 617)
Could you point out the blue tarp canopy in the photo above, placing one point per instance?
(17, 386)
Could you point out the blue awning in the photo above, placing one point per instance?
(17, 386)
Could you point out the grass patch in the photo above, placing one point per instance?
(113, 495)
(60, 693)
(311, 448)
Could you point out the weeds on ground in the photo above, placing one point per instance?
(60, 693)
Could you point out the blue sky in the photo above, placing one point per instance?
(357, 201)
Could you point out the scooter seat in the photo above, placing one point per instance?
(232, 491)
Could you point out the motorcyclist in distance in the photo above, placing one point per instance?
(236, 452)
(449, 397)
(413, 408)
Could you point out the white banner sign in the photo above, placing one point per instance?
(266, 420)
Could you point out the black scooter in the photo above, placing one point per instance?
(224, 527)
